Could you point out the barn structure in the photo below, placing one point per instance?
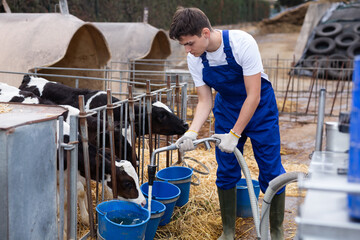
(137, 47)
(31, 40)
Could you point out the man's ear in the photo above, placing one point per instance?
(206, 32)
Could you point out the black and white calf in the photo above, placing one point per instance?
(12, 94)
(127, 181)
(164, 121)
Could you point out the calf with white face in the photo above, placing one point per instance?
(127, 180)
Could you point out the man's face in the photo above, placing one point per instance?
(194, 44)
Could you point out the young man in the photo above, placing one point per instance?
(245, 106)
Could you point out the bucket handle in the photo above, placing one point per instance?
(195, 183)
(184, 163)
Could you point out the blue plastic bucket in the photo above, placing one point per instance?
(157, 211)
(181, 177)
(119, 219)
(166, 193)
(354, 151)
(243, 206)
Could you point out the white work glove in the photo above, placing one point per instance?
(185, 143)
(228, 141)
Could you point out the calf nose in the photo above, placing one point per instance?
(143, 203)
(186, 126)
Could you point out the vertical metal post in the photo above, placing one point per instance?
(97, 177)
(168, 102)
(110, 116)
(84, 139)
(184, 102)
(132, 125)
(106, 76)
(276, 72)
(320, 120)
(61, 177)
(336, 91)
(291, 74)
(120, 132)
(103, 154)
(64, 9)
(178, 111)
(314, 76)
(149, 113)
(72, 179)
(146, 14)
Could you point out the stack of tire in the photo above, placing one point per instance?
(332, 51)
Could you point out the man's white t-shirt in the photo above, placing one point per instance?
(245, 51)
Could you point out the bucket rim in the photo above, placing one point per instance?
(175, 179)
(116, 224)
(163, 207)
(161, 199)
(255, 182)
(133, 225)
(106, 202)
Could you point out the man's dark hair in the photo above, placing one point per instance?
(188, 21)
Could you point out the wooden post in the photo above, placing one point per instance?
(84, 139)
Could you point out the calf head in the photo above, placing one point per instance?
(33, 84)
(127, 183)
(165, 122)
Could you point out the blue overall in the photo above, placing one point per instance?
(262, 129)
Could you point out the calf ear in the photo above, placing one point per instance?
(26, 79)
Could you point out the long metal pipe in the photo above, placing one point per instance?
(72, 204)
(320, 120)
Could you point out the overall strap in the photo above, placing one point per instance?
(205, 62)
(227, 48)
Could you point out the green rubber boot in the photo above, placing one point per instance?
(277, 216)
(227, 199)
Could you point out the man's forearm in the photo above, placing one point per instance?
(246, 113)
(202, 112)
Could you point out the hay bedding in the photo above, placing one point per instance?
(200, 218)
(4, 108)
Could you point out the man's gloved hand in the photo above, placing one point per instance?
(185, 143)
(228, 141)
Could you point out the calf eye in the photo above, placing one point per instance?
(161, 116)
(127, 185)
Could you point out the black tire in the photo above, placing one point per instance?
(338, 67)
(346, 39)
(316, 63)
(356, 28)
(328, 29)
(353, 50)
(322, 45)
